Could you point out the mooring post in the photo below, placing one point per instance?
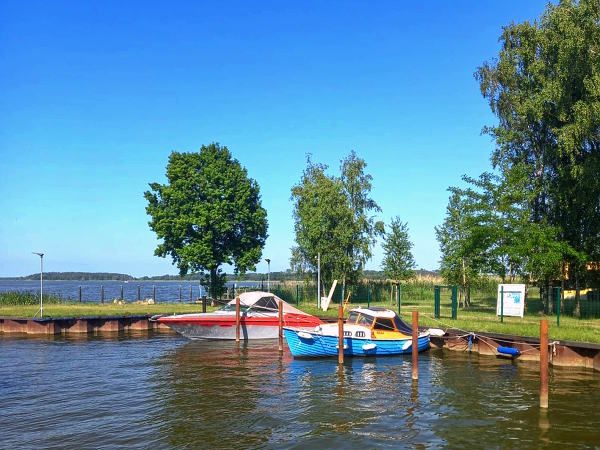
(341, 334)
(436, 302)
(154, 293)
(501, 303)
(557, 305)
(121, 298)
(139, 294)
(80, 297)
(102, 294)
(280, 325)
(415, 345)
(237, 319)
(544, 364)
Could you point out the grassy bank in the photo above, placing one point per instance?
(480, 317)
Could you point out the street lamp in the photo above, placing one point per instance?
(268, 274)
(41, 255)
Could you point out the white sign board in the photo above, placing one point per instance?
(514, 299)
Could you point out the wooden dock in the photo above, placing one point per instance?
(79, 325)
(561, 354)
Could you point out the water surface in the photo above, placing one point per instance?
(161, 391)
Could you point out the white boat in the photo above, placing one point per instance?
(259, 319)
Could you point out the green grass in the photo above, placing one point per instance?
(480, 317)
(97, 309)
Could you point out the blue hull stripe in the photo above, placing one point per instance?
(320, 346)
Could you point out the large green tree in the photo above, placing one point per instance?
(208, 214)
(334, 216)
(398, 262)
(544, 87)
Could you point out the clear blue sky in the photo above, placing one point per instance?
(95, 95)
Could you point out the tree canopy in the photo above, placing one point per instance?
(545, 90)
(208, 214)
(398, 261)
(539, 211)
(334, 216)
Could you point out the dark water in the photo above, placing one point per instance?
(166, 291)
(161, 391)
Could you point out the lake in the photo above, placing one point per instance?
(166, 291)
(161, 391)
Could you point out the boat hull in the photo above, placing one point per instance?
(223, 327)
(319, 345)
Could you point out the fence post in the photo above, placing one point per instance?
(454, 302)
(399, 296)
(102, 294)
(501, 303)
(436, 302)
(80, 297)
(557, 305)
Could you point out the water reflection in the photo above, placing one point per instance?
(166, 392)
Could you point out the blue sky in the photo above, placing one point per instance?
(95, 95)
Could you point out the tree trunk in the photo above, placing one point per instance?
(213, 283)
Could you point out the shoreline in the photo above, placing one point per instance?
(562, 354)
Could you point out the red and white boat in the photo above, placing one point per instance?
(259, 319)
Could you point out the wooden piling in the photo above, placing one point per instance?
(237, 319)
(102, 294)
(544, 364)
(80, 296)
(415, 345)
(341, 334)
(280, 325)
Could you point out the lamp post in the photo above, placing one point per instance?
(268, 274)
(41, 255)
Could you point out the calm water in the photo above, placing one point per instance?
(161, 391)
(91, 290)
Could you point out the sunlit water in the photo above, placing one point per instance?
(161, 391)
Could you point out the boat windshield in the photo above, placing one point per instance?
(352, 317)
(243, 308)
(364, 320)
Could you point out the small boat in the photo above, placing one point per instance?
(259, 319)
(367, 332)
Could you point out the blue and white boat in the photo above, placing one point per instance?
(367, 332)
